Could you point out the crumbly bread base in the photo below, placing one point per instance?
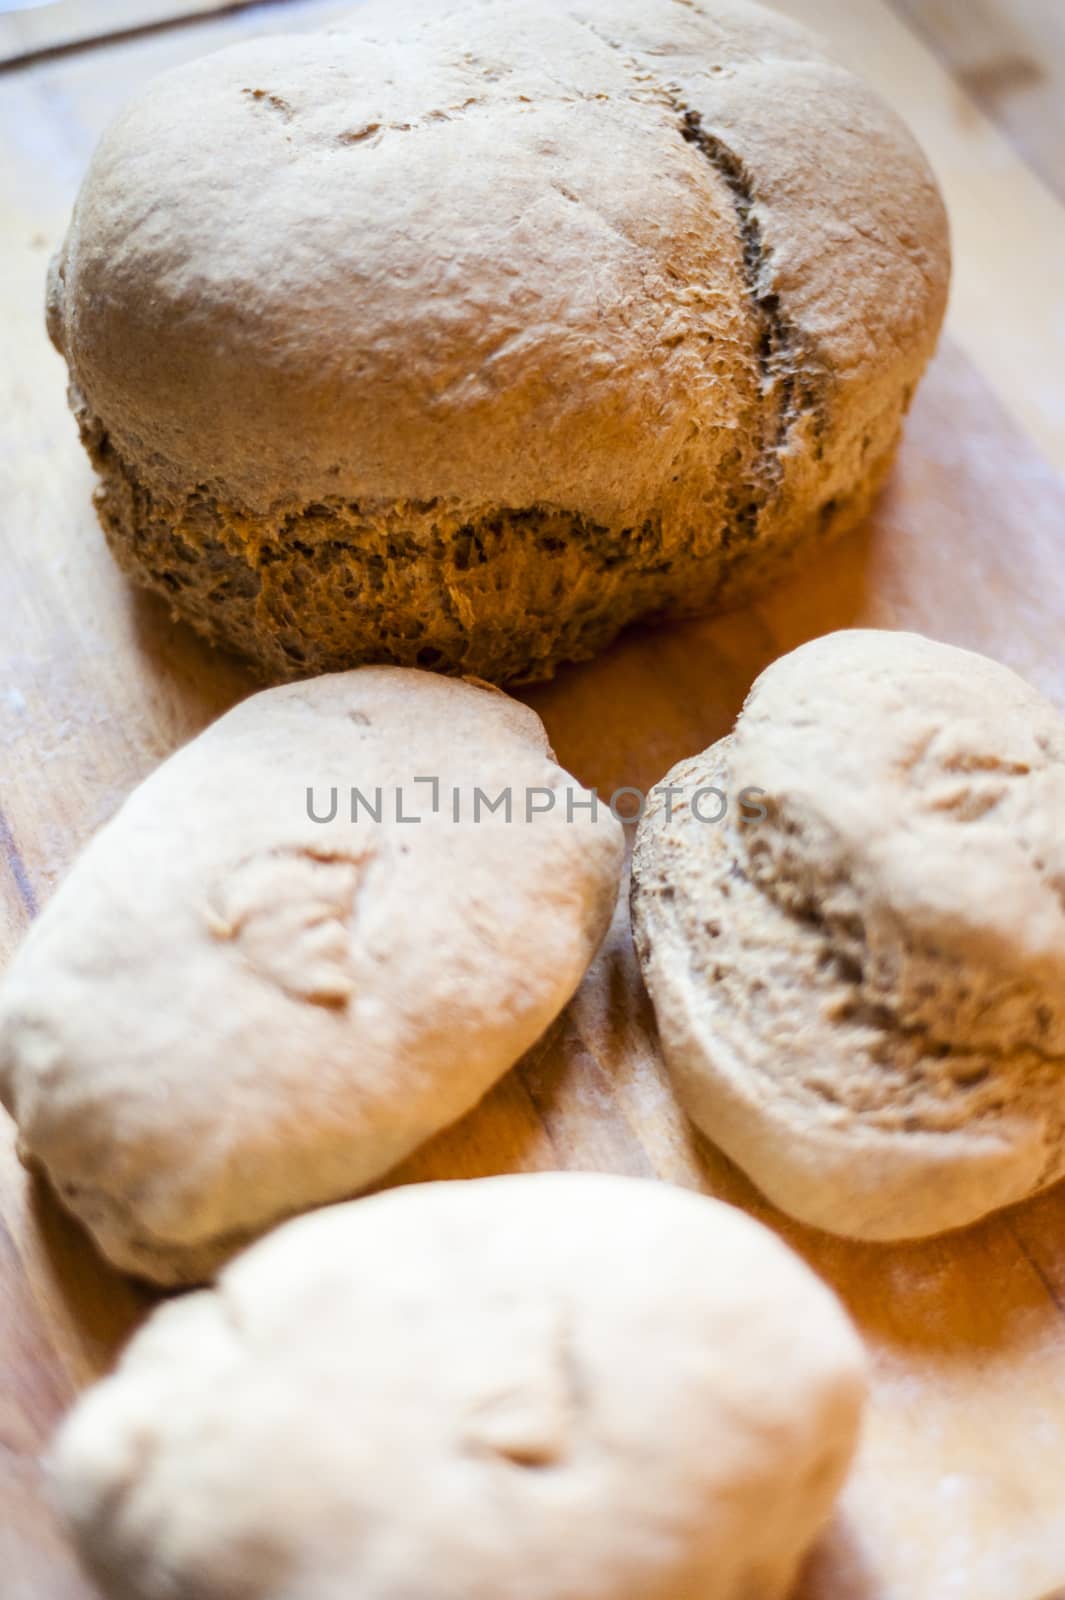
(841, 1111)
(506, 595)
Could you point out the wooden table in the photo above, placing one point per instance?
(957, 1493)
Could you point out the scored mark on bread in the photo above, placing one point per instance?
(290, 913)
(531, 1422)
(274, 101)
(777, 334)
(775, 331)
(787, 366)
(359, 135)
(370, 130)
(783, 361)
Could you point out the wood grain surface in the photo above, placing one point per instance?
(957, 1491)
(31, 30)
(1011, 59)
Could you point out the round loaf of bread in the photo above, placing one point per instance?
(550, 1387)
(464, 335)
(314, 937)
(861, 991)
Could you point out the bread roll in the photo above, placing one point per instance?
(550, 1387)
(467, 334)
(246, 1000)
(860, 994)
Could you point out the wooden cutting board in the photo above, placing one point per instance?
(957, 1491)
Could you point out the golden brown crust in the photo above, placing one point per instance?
(611, 301)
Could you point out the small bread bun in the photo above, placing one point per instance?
(860, 991)
(301, 948)
(559, 1386)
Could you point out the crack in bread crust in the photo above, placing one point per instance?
(780, 344)
(787, 365)
(777, 340)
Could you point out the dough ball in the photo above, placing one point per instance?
(550, 1387)
(231, 1011)
(860, 997)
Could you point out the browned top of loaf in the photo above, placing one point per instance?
(497, 254)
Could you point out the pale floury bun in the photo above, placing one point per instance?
(231, 1011)
(550, 1387)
